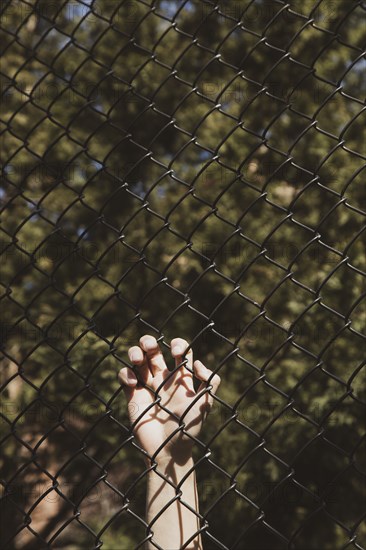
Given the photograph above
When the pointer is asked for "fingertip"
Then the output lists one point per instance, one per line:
(179, 346)
(136, 355)
(127, 377)
(131, 377)
(149, 343)
(132, 382)
(177, 351)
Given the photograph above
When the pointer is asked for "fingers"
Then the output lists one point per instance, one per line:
(136, 355)
(138, 359)
(127, 377)
(154, 355)
(206, 375)
(179, 351)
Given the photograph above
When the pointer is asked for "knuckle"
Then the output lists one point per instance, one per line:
(157, 362)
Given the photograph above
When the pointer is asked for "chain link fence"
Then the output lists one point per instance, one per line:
(194, 169)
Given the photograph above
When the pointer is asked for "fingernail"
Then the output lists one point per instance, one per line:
(149, 345)
(135, 356)
(177, 350)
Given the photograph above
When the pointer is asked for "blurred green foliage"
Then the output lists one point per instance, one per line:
(170, 171)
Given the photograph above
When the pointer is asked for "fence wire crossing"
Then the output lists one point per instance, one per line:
(194, 169)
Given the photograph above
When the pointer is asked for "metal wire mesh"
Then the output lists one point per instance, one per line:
(183, 168)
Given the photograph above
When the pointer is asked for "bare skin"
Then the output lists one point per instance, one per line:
(159, 433)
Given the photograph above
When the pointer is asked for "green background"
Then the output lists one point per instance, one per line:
(187, 169)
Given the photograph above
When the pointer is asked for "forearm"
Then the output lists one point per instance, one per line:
(177, 524)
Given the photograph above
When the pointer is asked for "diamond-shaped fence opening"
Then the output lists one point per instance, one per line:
(183, 169)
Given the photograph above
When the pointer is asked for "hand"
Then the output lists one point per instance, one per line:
(156, 426)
